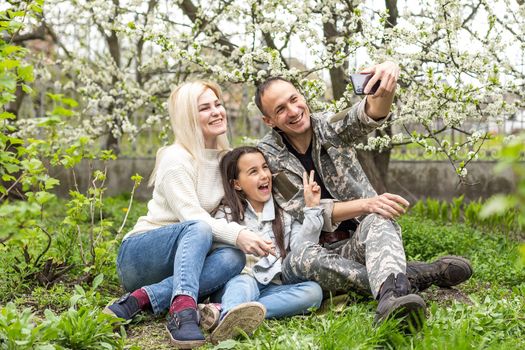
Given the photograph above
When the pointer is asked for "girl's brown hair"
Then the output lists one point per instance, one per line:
(236, 201)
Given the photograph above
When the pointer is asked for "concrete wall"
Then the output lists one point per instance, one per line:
(437, 179)
(411, 179)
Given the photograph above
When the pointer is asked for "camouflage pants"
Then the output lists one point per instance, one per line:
(361, 263)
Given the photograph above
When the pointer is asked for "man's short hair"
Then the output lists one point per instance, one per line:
(262, 87)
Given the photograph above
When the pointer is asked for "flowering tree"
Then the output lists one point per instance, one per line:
(457, 61)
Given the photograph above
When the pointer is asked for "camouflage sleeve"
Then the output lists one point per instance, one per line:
(288, 193)
(328, 208)
(309, 230)
(353, 123)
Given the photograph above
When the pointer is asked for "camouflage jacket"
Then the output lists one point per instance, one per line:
(337, 166)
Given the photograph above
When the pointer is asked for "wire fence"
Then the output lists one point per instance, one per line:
(490, 150)
(246, 125)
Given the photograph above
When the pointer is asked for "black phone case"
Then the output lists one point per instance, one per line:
(359, 82)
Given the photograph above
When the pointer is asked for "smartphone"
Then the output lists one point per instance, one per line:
(359, 81)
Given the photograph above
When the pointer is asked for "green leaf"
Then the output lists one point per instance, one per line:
(7, 177)
(108, 155)
(9, 49)
(50, 315)
(98, 280)
(8, 81)
(6, 96)
(522, 253)
(55, 97)
(227, 344)
(27, 89)
(43, 197)
(99, 175)
(74, 299)
(70, 102)
(51, 183)
(49, 121)
(137, 179)
(26, 73)
(35, 7)
(7, 115)
(11, 168)
(13, 14)
(61, 111)
(45, 347)
(8, 64)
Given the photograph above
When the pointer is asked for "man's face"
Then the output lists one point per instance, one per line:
(285, 108)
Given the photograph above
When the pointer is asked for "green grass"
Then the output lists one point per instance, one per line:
(487, 312)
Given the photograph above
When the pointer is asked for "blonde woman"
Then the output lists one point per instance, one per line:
(167, 261)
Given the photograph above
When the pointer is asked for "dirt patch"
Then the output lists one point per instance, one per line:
(446, 296)
(150, 333)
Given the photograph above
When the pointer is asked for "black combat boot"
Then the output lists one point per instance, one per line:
(447, 271)
(395, 300)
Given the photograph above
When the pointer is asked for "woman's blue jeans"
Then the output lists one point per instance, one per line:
(174, 260)
(280, 300)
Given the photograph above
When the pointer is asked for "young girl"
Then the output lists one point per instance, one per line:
(248, 201)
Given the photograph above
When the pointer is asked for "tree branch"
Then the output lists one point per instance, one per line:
(191, 11)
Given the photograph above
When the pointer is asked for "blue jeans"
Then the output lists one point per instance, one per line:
(173, 260)
(280, 300)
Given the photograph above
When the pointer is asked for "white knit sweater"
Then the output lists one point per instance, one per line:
(185, 190)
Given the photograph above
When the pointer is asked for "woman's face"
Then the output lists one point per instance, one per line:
(212, 117)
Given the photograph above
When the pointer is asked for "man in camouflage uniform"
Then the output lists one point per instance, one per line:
(361, 247)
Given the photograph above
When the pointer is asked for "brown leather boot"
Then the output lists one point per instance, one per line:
(395, 300)
(446, 271)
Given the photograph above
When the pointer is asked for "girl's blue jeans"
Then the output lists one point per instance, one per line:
(280, 300)
(176, 260)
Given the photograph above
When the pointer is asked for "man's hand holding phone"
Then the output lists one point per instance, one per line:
(386, 74)
(360, 82)
(380, 82)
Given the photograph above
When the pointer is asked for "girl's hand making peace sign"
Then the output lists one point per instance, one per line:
(312, 191)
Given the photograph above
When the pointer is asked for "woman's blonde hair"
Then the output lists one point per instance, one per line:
(184, 117)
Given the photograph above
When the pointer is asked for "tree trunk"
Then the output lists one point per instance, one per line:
(374, 164)
(391, 6)
(112, 143)
(14, 106)
(337, 74)
(382, 159)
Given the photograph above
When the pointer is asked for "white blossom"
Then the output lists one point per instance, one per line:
(453, 68)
